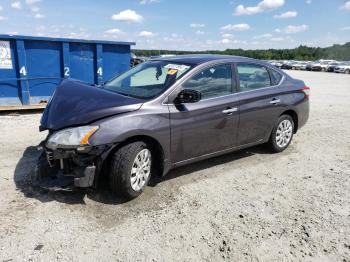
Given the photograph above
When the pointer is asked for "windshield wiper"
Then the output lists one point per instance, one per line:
(123, 94)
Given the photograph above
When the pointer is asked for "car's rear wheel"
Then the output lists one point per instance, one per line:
(130, 169)
(282, 134)
(347, 71)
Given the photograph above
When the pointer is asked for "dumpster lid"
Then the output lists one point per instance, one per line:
(54, 39)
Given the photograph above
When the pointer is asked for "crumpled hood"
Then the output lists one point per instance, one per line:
(76, 103)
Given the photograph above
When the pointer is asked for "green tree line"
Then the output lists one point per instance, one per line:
(337, 52)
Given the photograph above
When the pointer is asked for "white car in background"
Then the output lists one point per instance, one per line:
(344, 68)
(275, 63)
(320, 65)
(299, 65)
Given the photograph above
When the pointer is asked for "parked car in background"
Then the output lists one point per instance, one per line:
(135, 60)
(299, 65)
(165, 113)
(304, 65)
(343, 68)
(332, 66)
(321, 65)
(287, 65)
(275, 63)
(308, 66)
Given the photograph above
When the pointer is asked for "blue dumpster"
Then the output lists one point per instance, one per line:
(32, 67)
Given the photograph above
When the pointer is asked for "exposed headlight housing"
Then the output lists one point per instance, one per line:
(74, 136)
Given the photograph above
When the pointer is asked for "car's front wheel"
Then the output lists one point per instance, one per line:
(282, 134)
(130, 169)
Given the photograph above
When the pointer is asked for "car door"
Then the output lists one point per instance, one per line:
(260, 102)
(209, 125)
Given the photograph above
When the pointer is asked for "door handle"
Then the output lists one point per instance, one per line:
(230, 110)
(275, 101)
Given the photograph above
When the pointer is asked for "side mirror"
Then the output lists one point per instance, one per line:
(188, 96)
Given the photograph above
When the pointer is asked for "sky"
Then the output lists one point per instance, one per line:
(184, 24)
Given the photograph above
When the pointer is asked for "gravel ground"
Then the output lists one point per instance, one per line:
(247, 206)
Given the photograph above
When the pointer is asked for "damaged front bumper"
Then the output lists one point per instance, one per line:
(69, 168)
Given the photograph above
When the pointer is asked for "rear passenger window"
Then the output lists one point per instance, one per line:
(212, 82)
(275, 77)
(252, 77)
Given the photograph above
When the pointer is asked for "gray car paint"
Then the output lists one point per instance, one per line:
(191, 132)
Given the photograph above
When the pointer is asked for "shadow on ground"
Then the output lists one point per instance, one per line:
(25, 170)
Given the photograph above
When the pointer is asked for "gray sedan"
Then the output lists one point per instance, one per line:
(165, 113)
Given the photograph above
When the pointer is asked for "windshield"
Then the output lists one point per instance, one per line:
(147, 80)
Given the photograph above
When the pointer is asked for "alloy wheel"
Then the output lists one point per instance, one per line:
(284, 133)
(141, 169)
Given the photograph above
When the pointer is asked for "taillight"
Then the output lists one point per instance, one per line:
(306, 91)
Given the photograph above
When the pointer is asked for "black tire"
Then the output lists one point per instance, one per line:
(120, 170)
(273, 137)
(347, 71)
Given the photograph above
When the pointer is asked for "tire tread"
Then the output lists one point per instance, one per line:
(119, 169)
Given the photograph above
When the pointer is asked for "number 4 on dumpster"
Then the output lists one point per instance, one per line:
(23, 71)
(99, 71)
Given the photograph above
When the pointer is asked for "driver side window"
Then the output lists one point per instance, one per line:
(212, 82)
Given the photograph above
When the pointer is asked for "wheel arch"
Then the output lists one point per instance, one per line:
(294, 116)
(155, 147)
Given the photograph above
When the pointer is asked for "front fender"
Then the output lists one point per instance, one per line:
(144, 122)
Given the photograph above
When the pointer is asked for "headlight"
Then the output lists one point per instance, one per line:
(72, 136)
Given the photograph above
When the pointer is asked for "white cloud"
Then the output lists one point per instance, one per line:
(346, 6)
(193, 25)
(1, 8)
(34, 9)
(292, 29)
(173, 40)
(144, 2)
(267, 35)
(199, 32)
(277, 39)
(16, 5)
(2, 18)
(345, 28)
(227, 35)
(39, 16)
(262, 6)
(147, 34)
(128, 16)
(285, 15)
(31, 2)
(76, 35)
(308, 1)
(226, 41)
(114, 31)
(236, 27)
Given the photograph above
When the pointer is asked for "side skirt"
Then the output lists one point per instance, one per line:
(223, 152)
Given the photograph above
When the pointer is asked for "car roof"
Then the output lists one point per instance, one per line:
(203, 58)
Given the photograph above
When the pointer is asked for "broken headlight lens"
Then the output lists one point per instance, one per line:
(72, 136)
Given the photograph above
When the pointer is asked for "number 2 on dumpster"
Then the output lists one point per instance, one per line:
(66, 71)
